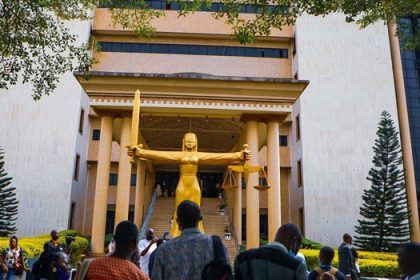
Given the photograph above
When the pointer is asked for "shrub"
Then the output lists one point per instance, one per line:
(309, 244)
(371, 263)
(34, 246)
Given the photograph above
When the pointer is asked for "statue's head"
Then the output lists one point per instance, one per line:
(189, 143)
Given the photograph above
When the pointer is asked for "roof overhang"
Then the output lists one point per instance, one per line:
(192, 85)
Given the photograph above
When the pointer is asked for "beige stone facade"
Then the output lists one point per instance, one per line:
(227, 100)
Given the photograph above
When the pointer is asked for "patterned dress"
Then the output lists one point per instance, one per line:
(183, 257)
(108, 268)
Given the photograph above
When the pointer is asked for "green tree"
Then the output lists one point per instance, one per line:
(385, 213)
(136, 14)
(35, 45)
(8, 202)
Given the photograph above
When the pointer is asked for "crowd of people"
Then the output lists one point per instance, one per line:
(194, 255)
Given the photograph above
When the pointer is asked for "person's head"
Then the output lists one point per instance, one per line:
(54, 234)
(347, 239)
(326, 255)
(63, 261)
(13, 242)
(167, 236)
(150, 234)
(327, 276)
(409, 258)
(289, 235)
(188, 214)
(125, 238)
(189, 143)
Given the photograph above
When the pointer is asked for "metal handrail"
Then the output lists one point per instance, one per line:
(232, 227)
(148, 216)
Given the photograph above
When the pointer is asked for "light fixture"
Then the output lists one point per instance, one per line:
(207, 118)
(179, 118)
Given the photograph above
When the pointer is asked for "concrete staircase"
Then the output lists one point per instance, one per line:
(213, 223)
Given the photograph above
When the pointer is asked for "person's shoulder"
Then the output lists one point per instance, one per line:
(144, 241)
(139, 275)
(313, 275)
(340, 275)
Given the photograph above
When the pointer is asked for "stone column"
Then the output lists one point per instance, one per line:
(237, 207)
(124, 174)
(252, 195)
(100, 203)
(410, 180)
(140, 193)
(273, 174)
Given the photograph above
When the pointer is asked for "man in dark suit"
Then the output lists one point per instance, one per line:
(346, 261)
(53, 245)
(276, 260)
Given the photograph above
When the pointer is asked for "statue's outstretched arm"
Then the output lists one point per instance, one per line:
(164, 156)
(222, 158)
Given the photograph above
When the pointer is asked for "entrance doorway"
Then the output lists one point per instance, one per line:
(208, 181)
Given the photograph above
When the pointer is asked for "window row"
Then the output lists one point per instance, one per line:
(113, 179)
(193, 49)
(214, 7)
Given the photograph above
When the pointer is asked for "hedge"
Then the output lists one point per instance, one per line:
(375, 264)
(32, 247)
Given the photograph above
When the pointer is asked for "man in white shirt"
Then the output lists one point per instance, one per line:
(146, 248)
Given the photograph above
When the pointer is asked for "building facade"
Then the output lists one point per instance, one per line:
(45, 147)
(306, 99)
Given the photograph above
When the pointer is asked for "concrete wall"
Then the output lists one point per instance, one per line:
(199, 23)
(39, 139)
(78, 191)
(296, 200)
(351, 83)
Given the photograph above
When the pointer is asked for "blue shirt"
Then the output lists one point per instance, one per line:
(183, 257)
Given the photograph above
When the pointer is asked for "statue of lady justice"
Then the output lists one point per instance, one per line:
(188, 160)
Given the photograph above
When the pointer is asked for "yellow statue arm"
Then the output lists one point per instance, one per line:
(165, 156)
(219, 158)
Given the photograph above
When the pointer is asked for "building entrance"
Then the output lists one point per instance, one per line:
(209, 182)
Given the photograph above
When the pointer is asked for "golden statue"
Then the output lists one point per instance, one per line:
(188, 160)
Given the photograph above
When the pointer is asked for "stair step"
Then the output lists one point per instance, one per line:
(214, 224)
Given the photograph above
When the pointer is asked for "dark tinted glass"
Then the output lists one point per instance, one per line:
(193, 49)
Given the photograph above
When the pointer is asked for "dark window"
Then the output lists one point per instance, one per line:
(113, 179)
(133, 180)
(81, 121)
(299, 173)
(72, 213)
(131, 216)
(263, 226)
(110, 220)
(161, 4)
(96, 134)
(283, 140)
(193, 49)
(76, 168)
(297, 128)
(302, 221)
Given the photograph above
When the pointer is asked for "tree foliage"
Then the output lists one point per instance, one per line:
(35, 45)
(8, 202)
(385, 215)
(137, 14)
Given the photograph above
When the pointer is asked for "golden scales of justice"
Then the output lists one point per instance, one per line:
(229, 181)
